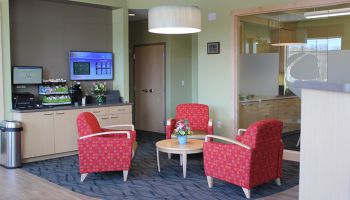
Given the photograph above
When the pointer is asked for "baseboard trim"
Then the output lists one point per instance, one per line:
(58, 155)
(291, 155)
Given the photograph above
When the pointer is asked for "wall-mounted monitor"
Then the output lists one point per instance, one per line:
(84, 65)
(25, 75)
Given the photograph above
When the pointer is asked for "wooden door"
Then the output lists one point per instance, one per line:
(149, 66)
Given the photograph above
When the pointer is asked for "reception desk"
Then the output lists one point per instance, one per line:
(325, 141)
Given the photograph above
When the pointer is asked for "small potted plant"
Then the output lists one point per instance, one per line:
(182, 130)
(99, 89)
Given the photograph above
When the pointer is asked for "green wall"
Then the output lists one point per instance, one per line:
(178, 63)
(214, 71)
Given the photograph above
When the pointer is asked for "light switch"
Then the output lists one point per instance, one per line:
(211, 16)
(183, 83)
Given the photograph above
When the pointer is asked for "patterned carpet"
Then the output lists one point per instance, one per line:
(144, 181)
(290, 140)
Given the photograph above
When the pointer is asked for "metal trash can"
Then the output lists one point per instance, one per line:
(10, 144)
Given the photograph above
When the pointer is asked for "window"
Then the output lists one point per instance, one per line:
(317, 47)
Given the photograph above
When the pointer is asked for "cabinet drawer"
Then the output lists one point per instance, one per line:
(98, 111)
(266, 107)
(122, 118)
(248, 107)
(103, 120)
(120, 109)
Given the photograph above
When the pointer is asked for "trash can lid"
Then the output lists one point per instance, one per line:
(9, 125)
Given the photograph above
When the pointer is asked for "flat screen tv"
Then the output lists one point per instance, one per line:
(25, 75)
(84, 65)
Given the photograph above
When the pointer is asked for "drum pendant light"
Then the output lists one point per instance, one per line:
(174, 20)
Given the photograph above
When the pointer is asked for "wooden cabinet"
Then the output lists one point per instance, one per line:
(65, 130)
(37, 138)
(53, 132)
(287, 110)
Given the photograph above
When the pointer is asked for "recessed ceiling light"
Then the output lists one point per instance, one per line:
(327, 13)
(131, 14)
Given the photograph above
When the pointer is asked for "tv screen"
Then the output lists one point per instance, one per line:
(22, 75)
(86, 65)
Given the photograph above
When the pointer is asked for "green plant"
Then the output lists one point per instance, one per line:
(98, 88)
(182, 128)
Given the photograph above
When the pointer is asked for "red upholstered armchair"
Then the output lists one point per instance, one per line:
(198, 118)
(252, 159)
(101, 149)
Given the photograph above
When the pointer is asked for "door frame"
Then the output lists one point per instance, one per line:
(133, 75)
(235, 45)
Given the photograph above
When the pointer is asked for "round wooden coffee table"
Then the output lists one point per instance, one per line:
(172, 146)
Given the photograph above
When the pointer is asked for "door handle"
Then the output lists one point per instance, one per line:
(144, 90)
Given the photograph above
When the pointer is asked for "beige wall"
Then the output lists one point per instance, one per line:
(43, 33)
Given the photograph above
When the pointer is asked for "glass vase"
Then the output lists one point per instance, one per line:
(100, 99)
(182, 139)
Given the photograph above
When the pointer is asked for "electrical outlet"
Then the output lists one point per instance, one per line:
(219, 124)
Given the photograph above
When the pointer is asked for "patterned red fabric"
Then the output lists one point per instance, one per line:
(197, 116)
(247, 168)
(102, 153)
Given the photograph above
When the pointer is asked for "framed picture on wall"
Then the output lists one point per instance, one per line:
(213, 47)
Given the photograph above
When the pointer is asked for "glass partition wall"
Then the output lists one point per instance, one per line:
(277, 49)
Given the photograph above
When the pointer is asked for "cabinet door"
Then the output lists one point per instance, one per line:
(38, 134)
(66, 132)
(248, 114)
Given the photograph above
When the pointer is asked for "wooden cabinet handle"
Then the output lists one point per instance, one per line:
(98, 111)
(121, 109)
(48, 113)
(59, 113)
(104, 117)
(114, 117)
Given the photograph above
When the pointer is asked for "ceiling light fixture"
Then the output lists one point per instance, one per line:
(131, 14)
(174, 19)
(327, 13)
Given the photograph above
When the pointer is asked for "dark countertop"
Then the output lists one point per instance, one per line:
(258, 99)
(70, 107)
(318, 85)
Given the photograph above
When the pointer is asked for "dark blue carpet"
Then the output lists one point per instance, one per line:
(290, 140)
(144, 181)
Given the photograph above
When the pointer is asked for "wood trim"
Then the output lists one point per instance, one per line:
(235, 48)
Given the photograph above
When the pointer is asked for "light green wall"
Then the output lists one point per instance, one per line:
(6, 56)
(214, 71)
(178, 62)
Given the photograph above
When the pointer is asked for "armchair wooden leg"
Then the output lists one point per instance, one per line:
(180, 159)
(83, 176)
(210, 181)
(246, 192)
(169, 156)
(125, 174)
(278, 181)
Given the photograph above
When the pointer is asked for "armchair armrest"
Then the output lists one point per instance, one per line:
(227, 140)
(120, 125)
(239, 132)
(106, 133)
(210, 126)
(170, 125)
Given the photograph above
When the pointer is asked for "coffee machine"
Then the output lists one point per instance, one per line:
(75, 93)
